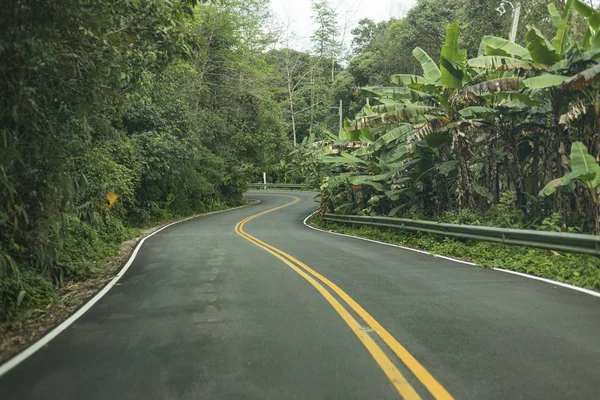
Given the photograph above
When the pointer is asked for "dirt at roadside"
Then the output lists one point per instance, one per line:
(17, 335)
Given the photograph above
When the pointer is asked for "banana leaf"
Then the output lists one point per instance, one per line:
(469, 112)
(404, 114)
(391, 136)
(431, 72)
(539, 48)
(544, 81)
(588, 77)
(584, 169)
(407, 80)
(592, 15)
(494, 86)
(396, 93)
(563, 28)
(452, 59)
(502, 63)
(507, 46)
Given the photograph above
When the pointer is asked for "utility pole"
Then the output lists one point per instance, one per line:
(516, 12)
(515, 23)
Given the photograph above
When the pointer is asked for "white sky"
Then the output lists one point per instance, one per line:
(298, 15)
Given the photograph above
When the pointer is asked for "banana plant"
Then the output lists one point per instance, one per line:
(476, 127)
(584, 171)
(440, 106)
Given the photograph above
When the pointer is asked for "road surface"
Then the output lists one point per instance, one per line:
(252, 304)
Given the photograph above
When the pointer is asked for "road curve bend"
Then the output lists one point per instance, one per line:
(252, 304)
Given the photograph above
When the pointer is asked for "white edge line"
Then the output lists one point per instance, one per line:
(565, 285)
(455, 260)
(44, 340)
(521, 274)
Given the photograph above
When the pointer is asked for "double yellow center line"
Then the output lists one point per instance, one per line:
(317, 280)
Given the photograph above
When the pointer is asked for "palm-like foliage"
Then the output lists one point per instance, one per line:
(467, 130)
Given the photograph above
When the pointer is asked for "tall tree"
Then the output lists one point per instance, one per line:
(324, 40)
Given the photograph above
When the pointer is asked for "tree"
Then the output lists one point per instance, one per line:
(123, 114)
(324, 40)
(364, 34)
(488, 129)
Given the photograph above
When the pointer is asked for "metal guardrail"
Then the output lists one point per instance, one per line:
(278, 185)
(569, 242)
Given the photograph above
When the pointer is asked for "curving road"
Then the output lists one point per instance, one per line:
(251, 304)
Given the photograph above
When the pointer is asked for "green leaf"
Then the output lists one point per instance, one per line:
(431, 72)
(452, 59)
(395, 93)
(367, 180)
(555, 15)
(539, 48)
(482, 51)
(397, 114)
(551, 187)
(587, 38)
(450, 50)
(469, 112)
(344, 158)
(447, 167)
(21, 297)
(584, 169)
(451, 76)
(395, 210)
(592, 15)
(563, 28)
(507, 46)
(407, 80)
(391, 136)
(584, 166)
(365, 135)
(436, 139)
(501, 63)
(544, 81)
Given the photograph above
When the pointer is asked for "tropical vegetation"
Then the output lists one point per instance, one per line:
(516, 125)
(117, 115)
(120, 115)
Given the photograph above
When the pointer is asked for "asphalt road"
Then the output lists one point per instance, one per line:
(270, 309)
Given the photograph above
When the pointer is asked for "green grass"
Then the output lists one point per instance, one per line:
(576, 269)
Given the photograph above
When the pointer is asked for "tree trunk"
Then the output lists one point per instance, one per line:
(561, 158)
(332, 70)
(535, 174)
(312, 102)
(293, 120)
(291, 98)
(464, 193)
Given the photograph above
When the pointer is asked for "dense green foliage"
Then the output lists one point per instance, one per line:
(115, 115)
(465, 125)
(120, 114)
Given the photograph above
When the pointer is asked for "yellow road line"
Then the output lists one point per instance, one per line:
(432, 385)
(388, 367)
